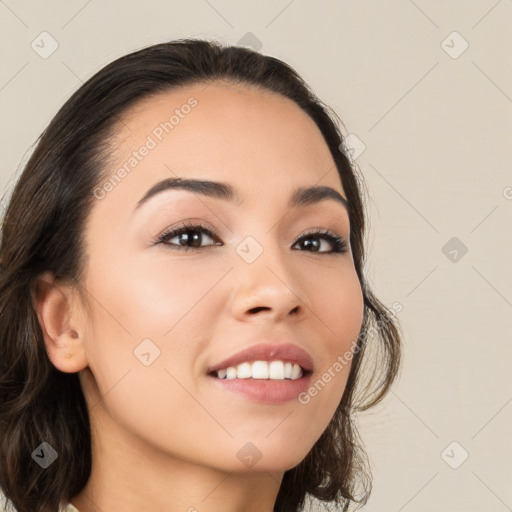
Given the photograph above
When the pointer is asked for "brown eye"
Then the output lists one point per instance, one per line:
(188, 237)
(312, 242)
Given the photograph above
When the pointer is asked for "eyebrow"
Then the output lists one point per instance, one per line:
(302, 196)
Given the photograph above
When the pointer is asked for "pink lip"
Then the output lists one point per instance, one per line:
(266, 391)
(265, 352)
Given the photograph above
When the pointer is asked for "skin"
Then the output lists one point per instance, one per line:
(164, 437)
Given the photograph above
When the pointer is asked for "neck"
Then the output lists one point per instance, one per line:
(130, 476)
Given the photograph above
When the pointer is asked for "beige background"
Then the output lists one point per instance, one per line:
(436, 123)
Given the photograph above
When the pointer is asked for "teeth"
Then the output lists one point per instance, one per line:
(243, 371)
(296, 371)
(259, 370)
(274, 370)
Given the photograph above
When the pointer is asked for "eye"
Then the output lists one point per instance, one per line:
(340, 245)
(189, 237)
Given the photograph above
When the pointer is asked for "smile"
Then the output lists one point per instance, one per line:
(273, 370)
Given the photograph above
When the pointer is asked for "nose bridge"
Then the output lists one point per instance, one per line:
(263, 276)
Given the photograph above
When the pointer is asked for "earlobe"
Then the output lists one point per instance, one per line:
(53, 303)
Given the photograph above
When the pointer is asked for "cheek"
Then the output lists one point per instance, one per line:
(340, 309)
(339, 306)
(141, 351)
(160, 295)
(150, 313)
(150, 298)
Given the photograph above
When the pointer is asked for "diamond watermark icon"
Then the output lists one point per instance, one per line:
(251, 41)
(44, 45)
(249, 455)
(454, 45)
(352, 147)
(146, 352)
(44, 455)
(454, 249)
(454, 455)
(249, 249)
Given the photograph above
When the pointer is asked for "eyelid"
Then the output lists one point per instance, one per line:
(191, 224)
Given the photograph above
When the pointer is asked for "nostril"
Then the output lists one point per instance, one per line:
(257, 309)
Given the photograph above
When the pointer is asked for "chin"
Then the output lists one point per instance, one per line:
(268, 457)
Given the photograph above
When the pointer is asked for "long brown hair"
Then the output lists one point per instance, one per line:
(43, 230)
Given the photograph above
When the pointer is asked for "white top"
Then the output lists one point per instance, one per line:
(6, 506)
(69, 508)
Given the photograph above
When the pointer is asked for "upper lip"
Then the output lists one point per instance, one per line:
(268, 352)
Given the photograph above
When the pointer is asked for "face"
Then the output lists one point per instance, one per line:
(168, 306)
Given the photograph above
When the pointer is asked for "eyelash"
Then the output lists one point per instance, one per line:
(339, 244)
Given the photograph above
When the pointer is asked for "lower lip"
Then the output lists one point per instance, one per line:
(266, 391)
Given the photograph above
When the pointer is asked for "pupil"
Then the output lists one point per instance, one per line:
(312, 243)
(195, 239)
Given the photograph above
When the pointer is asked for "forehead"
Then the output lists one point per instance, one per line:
(253, 138)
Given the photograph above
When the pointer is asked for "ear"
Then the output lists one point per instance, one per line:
(61, 323)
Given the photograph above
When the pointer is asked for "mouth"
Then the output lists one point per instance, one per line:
(261, 370)
(267, 373)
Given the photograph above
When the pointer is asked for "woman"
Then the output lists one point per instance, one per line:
(183, 307)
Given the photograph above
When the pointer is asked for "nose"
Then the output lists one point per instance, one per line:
(267, 287)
